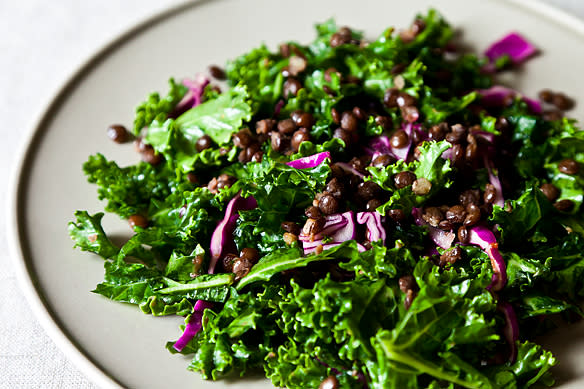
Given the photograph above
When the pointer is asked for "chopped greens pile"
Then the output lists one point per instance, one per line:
(352, 213)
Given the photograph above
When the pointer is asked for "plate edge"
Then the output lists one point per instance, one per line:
(14, 231)
(14, 234)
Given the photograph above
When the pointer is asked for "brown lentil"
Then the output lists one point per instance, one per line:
(457, 153)
(410, 113)
(490, 194)
(421, 186)
(264, 126)
(471, 152)
(291, 227)
(250, 254)
(228, 261)
(562, 102)
(312, 212)
(313, 226)
(383, 121)
(462, 234)
(118, 133)
(404, 179)
(359, 113)
(451, 256)
(368, 190)
(569, 166)
(390, 97)
(410, 296)
(328, 204)
(397, 215)
(399, 139)
(433, 216)
(564, 205)
(336, 116)
(343, 135)
(197, 264)
(373, 204)
(303, 119)
(203, 143)
(277, 141)
(407, 283)
(446, 225)
(382, 160)
(438, 132)
(151, 156)
(217, 73)
(349, 122)
(550, 191)
(473, 215)
(335, 187)
(286, 126)
(546, 95)
(337, 39)
(241, 268)
(302, 135)
(469, 196)
(137, 220)
(291, 87)
(405, 100)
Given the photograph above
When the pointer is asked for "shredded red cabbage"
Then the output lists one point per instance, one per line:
(194, 95)
(346, 232)
(484, 238)
(511, 330)
(375, 230)
(194, 325)
(222, 238)
(494, 180)
(332, 224)
(514, 45)
(310, 161)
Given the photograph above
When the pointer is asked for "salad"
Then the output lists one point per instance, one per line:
(352, 213)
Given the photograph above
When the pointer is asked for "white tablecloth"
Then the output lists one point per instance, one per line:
(41, 43)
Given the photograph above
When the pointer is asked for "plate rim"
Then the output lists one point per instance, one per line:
(18, 251)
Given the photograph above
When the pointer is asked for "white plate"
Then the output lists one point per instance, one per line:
(114, 344)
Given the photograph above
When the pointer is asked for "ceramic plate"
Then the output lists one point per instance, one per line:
(115, 344)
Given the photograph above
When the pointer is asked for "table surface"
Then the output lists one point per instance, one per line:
(42, 44)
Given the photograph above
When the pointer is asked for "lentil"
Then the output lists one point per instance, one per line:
(421, 186)
(217, 73)
(203, 143)
(569, 166)
(118, 133)
(550, 191)
(137, 220)
(349, 121)
(399, 139)
(564, 205)
(404, 179)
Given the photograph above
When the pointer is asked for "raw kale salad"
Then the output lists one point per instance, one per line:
(352, 213)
